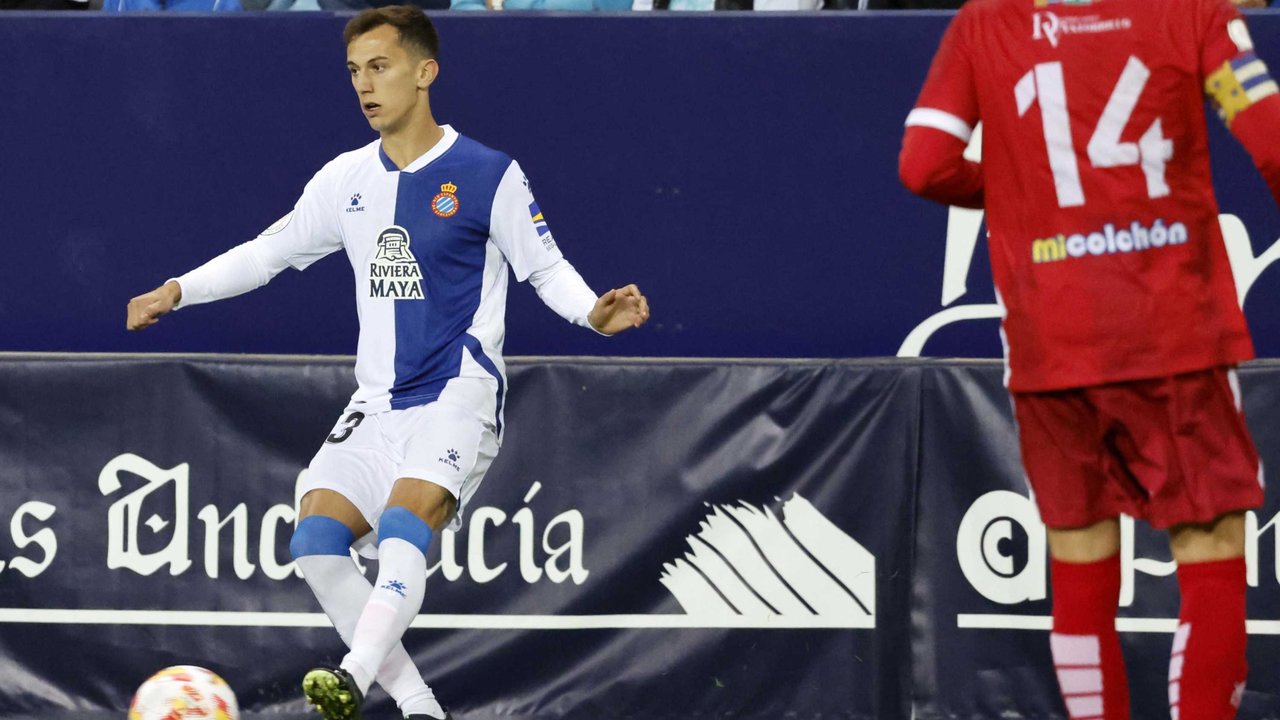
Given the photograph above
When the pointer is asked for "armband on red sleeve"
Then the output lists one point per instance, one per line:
(932, 165)
(1248, 101)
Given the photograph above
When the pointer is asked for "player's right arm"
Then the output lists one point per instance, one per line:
(932, 162)
(1241, 89)
(297, 240)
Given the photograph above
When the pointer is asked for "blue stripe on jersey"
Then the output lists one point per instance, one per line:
(1242, 59)
(450, 248)
(477, 354)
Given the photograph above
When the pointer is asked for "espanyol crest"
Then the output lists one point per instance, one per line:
(446, 203)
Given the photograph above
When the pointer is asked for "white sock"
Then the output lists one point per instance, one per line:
(343, 592)
(423, 702)
(394, 601)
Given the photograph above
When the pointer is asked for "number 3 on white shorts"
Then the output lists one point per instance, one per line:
(1152, 151)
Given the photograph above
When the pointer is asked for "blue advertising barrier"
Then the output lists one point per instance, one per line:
(674, 539)
(742, 169)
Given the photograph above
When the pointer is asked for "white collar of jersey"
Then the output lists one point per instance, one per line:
(426, 158)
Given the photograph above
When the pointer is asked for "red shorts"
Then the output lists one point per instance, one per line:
(1168, 450)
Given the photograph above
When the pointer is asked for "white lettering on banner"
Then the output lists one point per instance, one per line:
(481, 572)
(124, 516)
(572, 547)
(125, 525)
(530, 570)
(1253, 540)
(1002, 551)
(271, 520)
(562, 541)
(239, 519)
(44, 538)
(479, 523)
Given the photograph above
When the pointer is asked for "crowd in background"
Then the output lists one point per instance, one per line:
(119, 6)
(563, 5)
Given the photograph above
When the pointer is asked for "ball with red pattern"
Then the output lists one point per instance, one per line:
(184, 692)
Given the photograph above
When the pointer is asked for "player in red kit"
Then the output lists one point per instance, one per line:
(1121, 318)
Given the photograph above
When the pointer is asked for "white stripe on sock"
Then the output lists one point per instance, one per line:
(1080, 681)
(1075, 650)
(1180, 638)
(1084, 706)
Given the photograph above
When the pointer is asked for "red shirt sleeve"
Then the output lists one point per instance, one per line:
(932, 162)
(1241, 88)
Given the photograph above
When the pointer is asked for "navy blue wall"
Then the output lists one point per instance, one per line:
(741, 169)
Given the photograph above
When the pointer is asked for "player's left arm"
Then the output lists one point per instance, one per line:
(1240, 87)
(520, 231)
(938, 129)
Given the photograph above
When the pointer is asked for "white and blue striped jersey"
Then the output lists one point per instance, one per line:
(430, 246)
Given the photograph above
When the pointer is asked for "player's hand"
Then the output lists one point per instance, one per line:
(145, 310)
(1250, 3)
(618, 310)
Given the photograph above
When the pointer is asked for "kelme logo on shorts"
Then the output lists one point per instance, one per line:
(1108, 241)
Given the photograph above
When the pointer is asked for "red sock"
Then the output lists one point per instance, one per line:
(1207, 670)
(1086, 648)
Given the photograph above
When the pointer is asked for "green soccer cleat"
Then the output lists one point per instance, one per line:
(333, 692)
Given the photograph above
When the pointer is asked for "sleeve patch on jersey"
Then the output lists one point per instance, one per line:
(1239, 83)
(279, 225)
(539, 222)
(540, 226)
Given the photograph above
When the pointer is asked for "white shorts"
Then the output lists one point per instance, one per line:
(444, 444)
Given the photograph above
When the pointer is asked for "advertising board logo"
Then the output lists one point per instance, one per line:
(745, 562)
(1002, 550)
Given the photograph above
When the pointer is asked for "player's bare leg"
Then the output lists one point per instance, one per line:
(415, 510)
(322, 551)
(1086, 593)
(1207, 669)
(1086, 544)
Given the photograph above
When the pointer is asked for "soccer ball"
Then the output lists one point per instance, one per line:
(182, 692)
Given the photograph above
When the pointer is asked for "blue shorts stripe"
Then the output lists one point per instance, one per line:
(477, 354)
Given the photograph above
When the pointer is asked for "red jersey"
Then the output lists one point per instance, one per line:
(1103, 226)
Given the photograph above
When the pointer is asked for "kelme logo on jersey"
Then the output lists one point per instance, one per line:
(446, 203)
(1049, 26)
(394, 272)
(1109, 241)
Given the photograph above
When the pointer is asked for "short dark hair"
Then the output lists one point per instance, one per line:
(416, 30)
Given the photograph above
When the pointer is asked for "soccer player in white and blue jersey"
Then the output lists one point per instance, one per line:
(430, 221)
